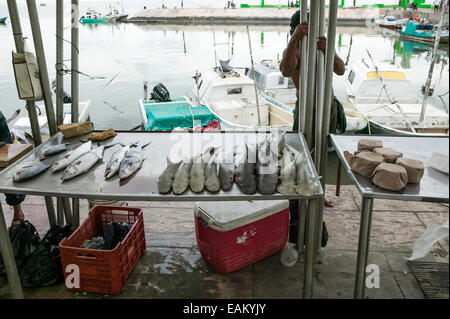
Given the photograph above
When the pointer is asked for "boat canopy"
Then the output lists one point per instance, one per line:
(268, 76)
(170, 115)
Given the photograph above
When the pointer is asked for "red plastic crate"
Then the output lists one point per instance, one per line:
(104, 271)
(228, 251)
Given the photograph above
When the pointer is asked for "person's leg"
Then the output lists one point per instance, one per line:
(332, 130)
(15, 201)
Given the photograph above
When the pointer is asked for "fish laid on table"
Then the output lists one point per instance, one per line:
(84, 163)
(277, 142)
(226, 170)
(181, 179)
(267, 169)
(166, 178)
(132, 161)
(113, 165)
(53, 150)
(288, 173)
(212, 181)
(246, 170)
(305, 184)
(27, 170)
(197, 173)
(71, 156)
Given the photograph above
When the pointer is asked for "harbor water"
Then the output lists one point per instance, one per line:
(116, 58)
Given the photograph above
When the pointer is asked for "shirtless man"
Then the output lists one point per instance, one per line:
(290, 67)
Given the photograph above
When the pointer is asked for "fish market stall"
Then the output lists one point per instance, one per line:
(146, 157)
(424, 179)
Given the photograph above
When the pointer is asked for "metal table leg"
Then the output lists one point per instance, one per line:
(8, 259)
(301, 226)
(76, 212)
(339, 177)
(67, 211)
(50, 211)
(310, 249)
(363, 246)
(59, 211)
(319, 224)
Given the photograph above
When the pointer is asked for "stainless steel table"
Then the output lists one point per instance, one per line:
(432, 188)
(143, 186)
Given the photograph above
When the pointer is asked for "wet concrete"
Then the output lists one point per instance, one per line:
(172, 266)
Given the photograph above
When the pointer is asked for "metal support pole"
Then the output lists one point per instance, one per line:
(363, 247)
(433, 61)
(312, 48)
(74, 68)
(75, 212)
(18, 40)
(59, 62)
(302, 226)
(67, 211)
(50, 211)
(310, 250)
(329, 71)
(42, 64)
(303, 45)
(8, 258)
(59, 212)
(254, 82)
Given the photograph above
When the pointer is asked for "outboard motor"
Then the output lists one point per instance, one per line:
(160, 93)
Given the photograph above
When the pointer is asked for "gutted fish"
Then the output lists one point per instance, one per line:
(84, 163)
(277, 142)
(197, 174)
(181, 179)
(71, 156)
(27, 170)
(305, 183)
(212, 181)
(113, 165)
(246, 170)
(267, 169)
(288, 173)
(132, 161)
(166, 178)
(226, 170)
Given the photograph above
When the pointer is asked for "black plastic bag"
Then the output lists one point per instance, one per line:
(44, 267)
(24, 241)
(115, 233)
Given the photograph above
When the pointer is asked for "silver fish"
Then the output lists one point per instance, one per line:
(84, 163)
(226, 170)
(27, 170)
(246, 171)
(267, 169)
(197, 175)
(166, 178)
(212, 181)
(53, 150)
(181, 179)
(71, 156)
(113, 165)
(132, 162)
(287, 173)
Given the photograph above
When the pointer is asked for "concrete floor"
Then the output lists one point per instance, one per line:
(173, 268)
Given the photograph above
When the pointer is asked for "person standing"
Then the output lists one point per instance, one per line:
(436, 5)
(12, 200)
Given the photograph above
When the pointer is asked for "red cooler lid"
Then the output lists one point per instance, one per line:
(224, 216)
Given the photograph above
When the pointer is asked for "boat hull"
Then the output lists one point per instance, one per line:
(3, 20)
(93, 21)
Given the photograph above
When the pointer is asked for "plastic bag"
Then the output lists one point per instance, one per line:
(24, 241)
(44, 268)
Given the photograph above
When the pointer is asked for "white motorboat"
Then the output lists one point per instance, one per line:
(389, 102)
(281, 91)
(230, 95)
(22, 129)
(390, 22)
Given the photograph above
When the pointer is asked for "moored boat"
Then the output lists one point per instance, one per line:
(390, 22)
(92, 17)
(3, 20)
(414, 31)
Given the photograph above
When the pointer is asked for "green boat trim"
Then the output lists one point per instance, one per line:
(91, 20)
(3, 20)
